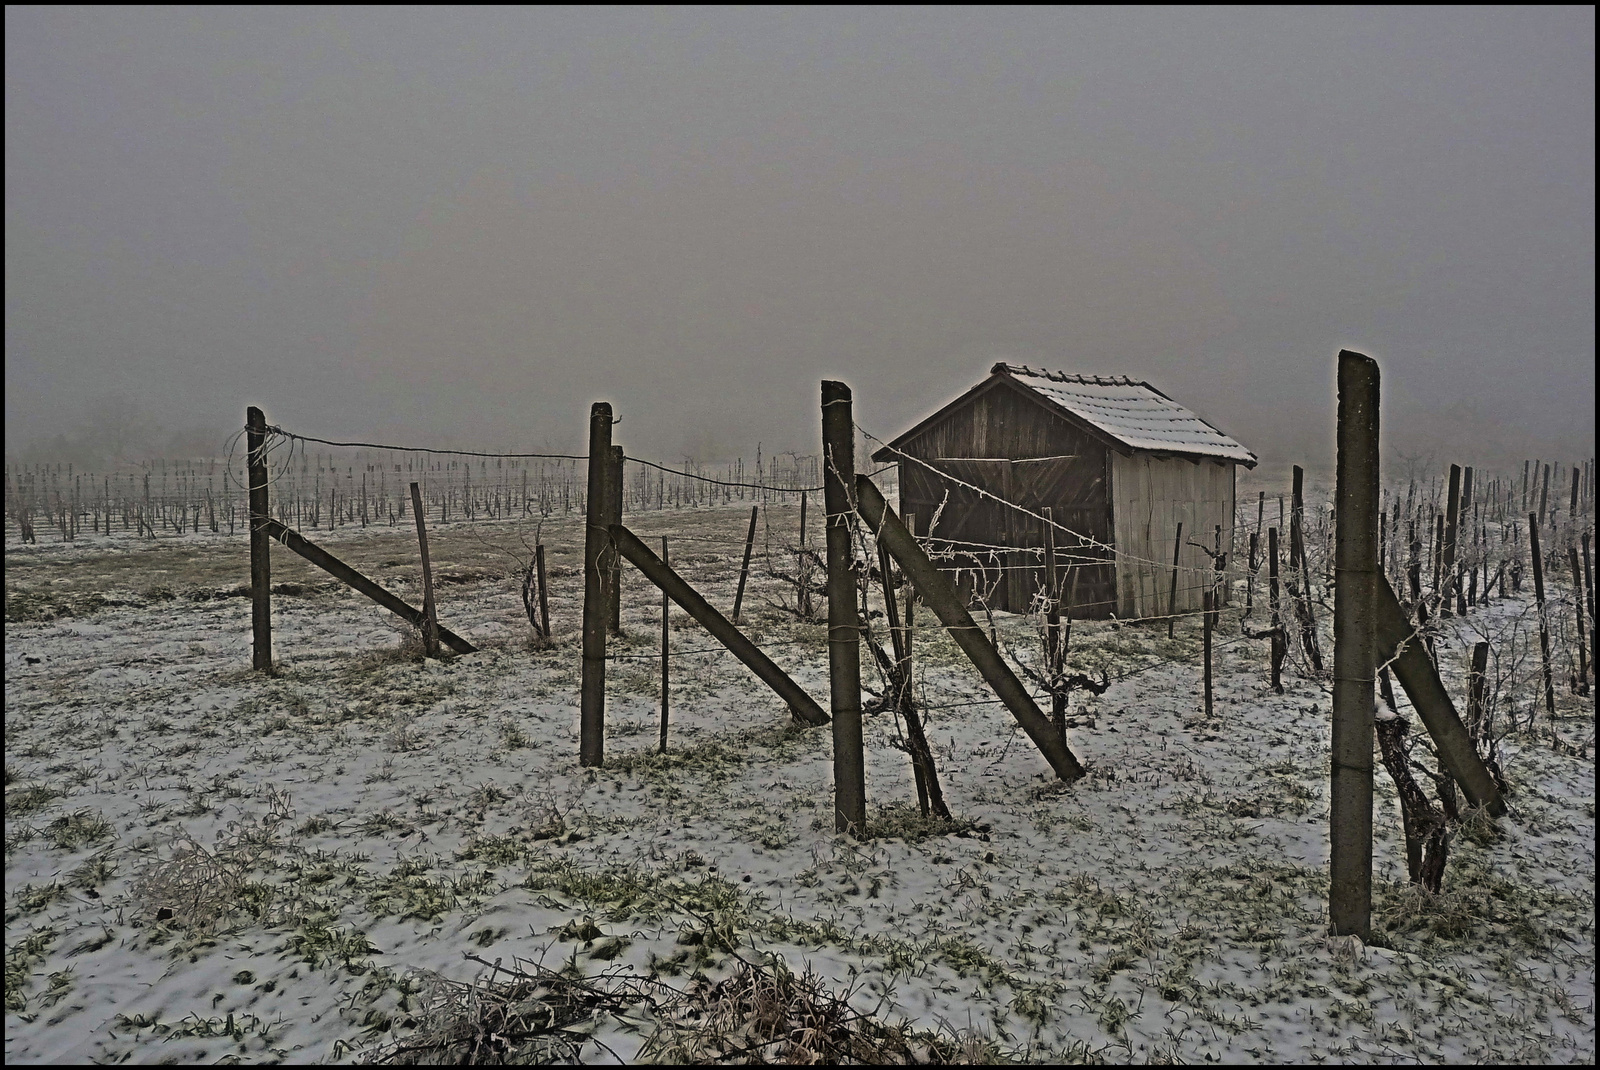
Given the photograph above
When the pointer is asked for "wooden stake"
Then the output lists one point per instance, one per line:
(1477, 684)
(1250, 580)
(744, 569)
(430, 616)
(1588, 590)
(1219, 587)
(1052, 626)
(1280, 638)
(544, 588)
(1172, 591)
(1544, 625)
(596, 573)
(1205, 632)
(260, 541)
(614, 516)
(1301, 574)
(844, 623)
(1452, 526)
(666, 643)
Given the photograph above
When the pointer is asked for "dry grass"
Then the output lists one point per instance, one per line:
(529, 1014)
(193, 888)
(524, 1015)
(768, 1014)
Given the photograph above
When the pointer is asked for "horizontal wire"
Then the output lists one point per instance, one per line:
(422, 449)
(544, 456)
(724, 482)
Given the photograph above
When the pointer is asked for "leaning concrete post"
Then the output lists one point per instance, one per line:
(596, 545)
(1404, 648)
(1354, 635)
(844, 624)
(951, 609)
(260, 542)
(804, 708)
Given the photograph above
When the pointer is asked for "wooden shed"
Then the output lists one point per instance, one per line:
(1115, 461)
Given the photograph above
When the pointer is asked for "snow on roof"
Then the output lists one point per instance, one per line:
(1134, 413)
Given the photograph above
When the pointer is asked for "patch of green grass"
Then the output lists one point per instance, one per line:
(32, 898)
(1480, 828)
(713, 759)
(58, 988)
(93, 872)
(411, 895)
(645, 895)
(495, 850)
(1274, 796)
(1477, 903)
(512, 736)
(19, 835)
(318, 945)
(74, 830)
(906, 821)
(21, 956)
(29, 800)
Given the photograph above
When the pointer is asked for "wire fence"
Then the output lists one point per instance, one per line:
(324, 484)
(321, 484)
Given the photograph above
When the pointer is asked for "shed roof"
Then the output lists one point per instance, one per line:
(1130, 412)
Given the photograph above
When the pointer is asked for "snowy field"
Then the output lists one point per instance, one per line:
(205, 864)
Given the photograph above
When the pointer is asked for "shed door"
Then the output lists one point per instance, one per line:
(1073, 489)
(979, 538)
(967, 530)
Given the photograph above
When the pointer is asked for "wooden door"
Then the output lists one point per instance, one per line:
(1073, 489)
(963, 527)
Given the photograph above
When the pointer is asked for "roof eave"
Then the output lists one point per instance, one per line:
(1002, 373)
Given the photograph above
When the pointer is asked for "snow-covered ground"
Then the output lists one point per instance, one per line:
(206, 863)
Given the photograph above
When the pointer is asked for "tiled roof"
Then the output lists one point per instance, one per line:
(1134, 413)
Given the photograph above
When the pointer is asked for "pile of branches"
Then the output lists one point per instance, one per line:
(529, 1014)
(523, 1015)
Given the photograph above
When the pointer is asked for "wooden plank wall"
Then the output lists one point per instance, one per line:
(1149, 496)
(996, 426)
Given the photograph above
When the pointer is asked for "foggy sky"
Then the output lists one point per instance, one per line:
(461, 227)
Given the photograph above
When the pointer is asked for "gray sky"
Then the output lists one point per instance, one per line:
(461, 227)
